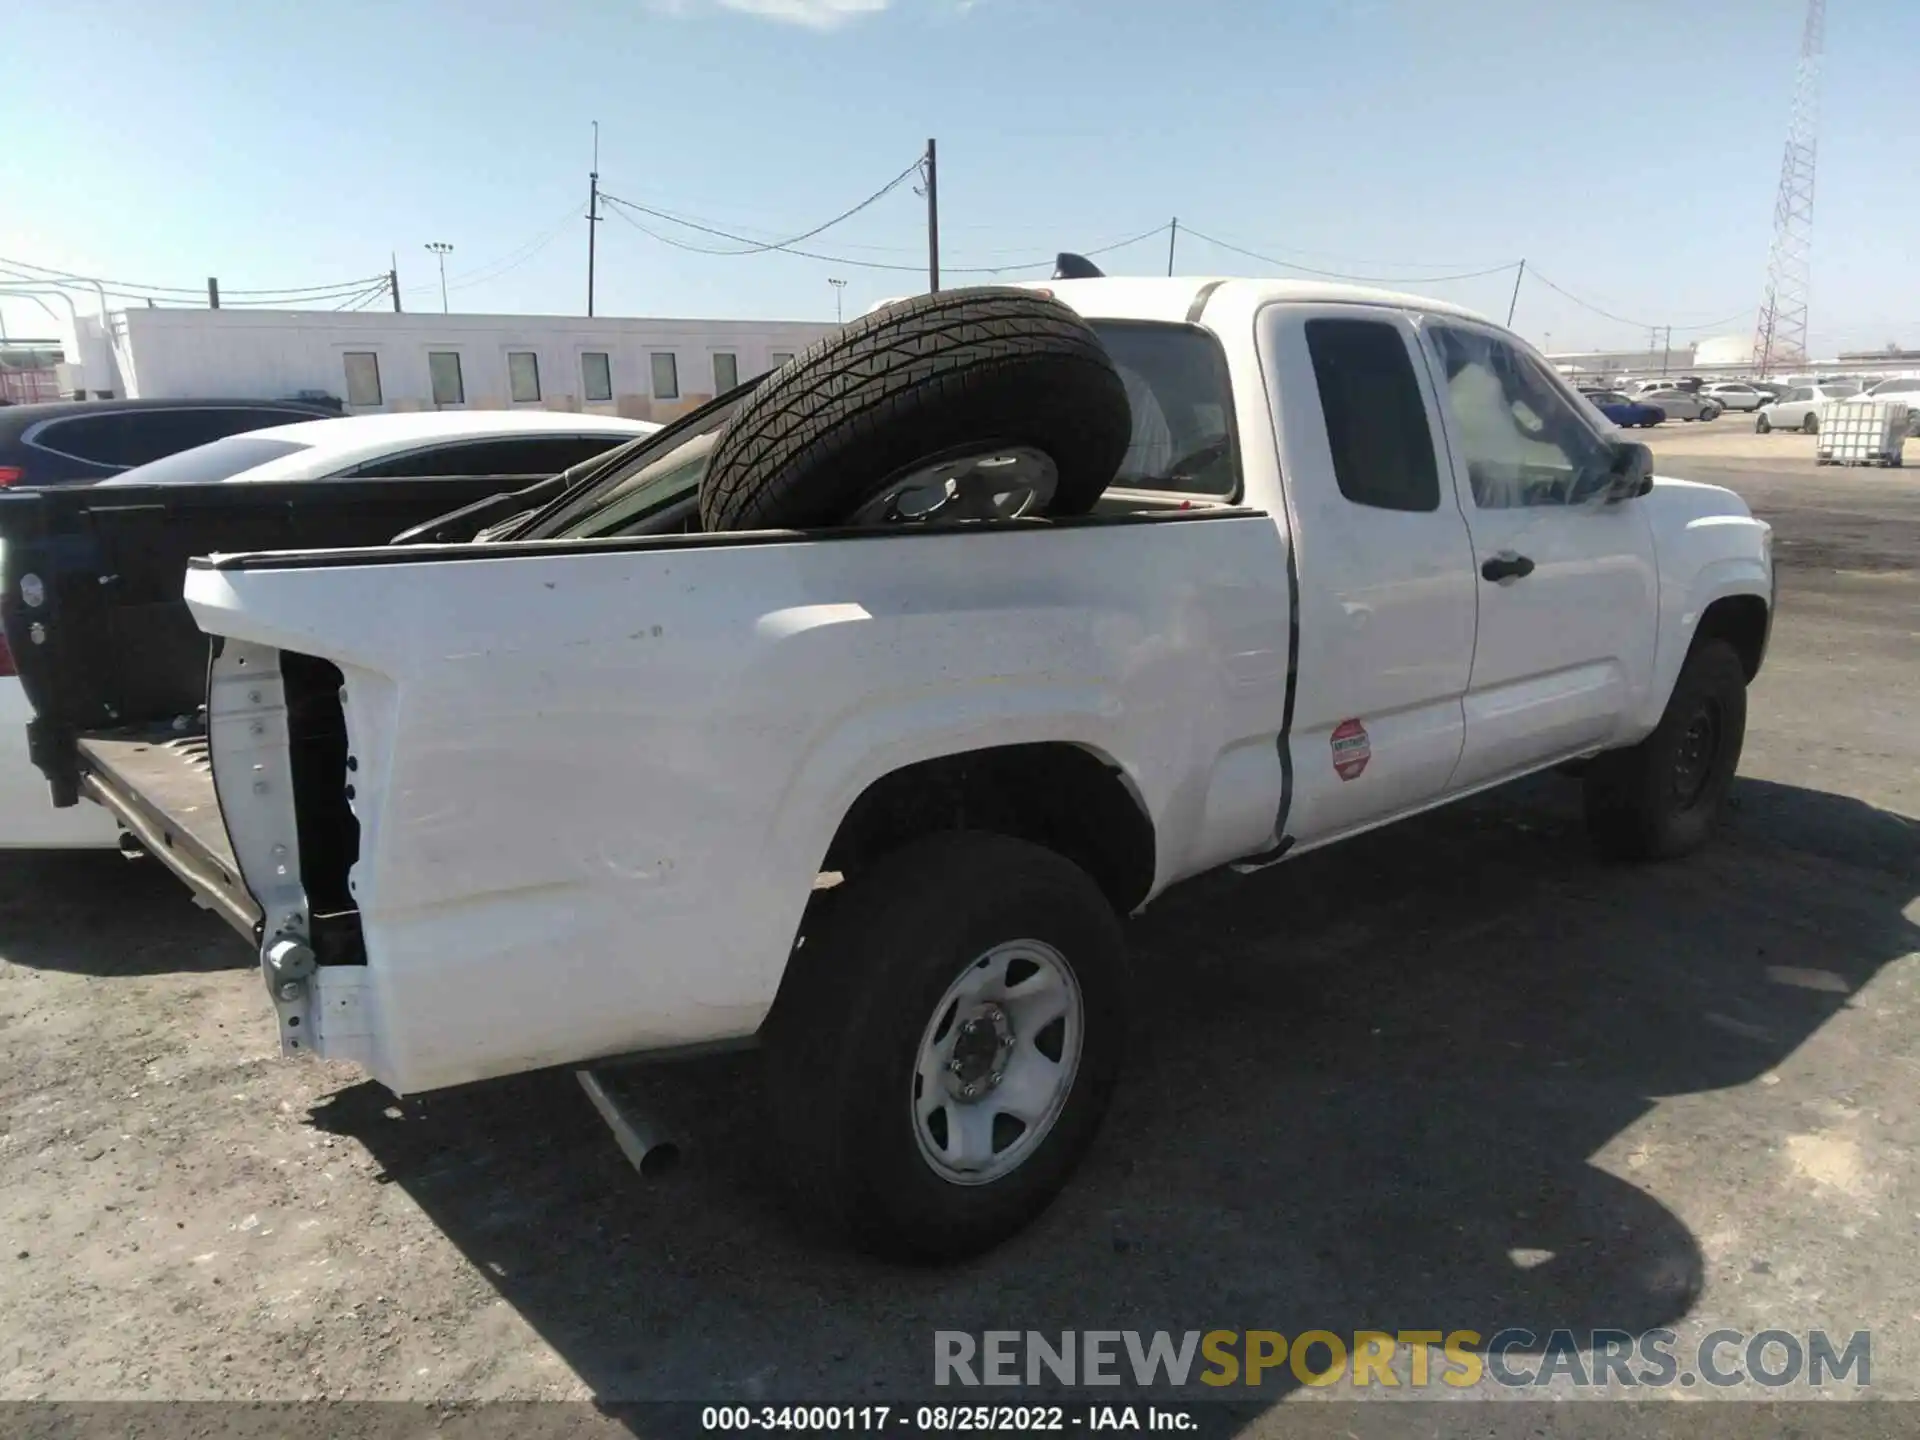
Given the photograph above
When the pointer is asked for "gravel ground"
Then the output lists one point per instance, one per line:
(1457, 1074)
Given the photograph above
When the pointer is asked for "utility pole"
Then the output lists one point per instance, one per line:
(839, 286)
(593, 213)
(1518, 275)
(213, 292)
(393, 280)
(441, 250)
(933, 219)
(1173, 235)
(1666, 349)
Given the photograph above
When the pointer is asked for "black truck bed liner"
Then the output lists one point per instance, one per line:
(160, 786)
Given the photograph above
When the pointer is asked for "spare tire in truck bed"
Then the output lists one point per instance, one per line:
(966, 404)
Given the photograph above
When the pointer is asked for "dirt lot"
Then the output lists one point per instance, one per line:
(1458, 1074)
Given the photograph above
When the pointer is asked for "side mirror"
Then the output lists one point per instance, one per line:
(1631, 473)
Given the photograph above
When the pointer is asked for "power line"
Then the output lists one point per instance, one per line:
(756, 247)
(365, 297)
(1041, 262)
(1623, 320)
(136, 290)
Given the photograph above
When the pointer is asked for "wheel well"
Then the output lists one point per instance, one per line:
(1741, 621)
(1057, 795)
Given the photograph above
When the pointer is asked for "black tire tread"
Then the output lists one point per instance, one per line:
(1627, 814)
(885, 372)
(819, 1043)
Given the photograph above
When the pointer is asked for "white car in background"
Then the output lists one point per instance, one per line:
(1681, 404)
(511, 444)
(1800, 408)
(365, 447)
(1905, 388)
(1738, 395)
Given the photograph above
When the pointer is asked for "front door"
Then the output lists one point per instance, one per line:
(1567, 585)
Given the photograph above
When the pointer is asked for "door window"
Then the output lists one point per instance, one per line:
(1376, 421)
(1523, 442)
(136, 437)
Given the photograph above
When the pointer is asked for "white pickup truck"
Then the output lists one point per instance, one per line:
(599, 778)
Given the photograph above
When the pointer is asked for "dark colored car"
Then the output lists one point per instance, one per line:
(1624, 412)
(68, 441)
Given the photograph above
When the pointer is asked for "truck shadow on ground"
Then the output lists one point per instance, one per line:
(1367, 1090)
(94, 912)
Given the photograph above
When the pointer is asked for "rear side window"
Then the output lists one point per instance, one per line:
(137, 437)
(507, 455)
(1377, 429)
(221, 460)
(1177, 388)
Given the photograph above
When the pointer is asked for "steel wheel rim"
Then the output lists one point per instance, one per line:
(1011, 1026)
(1001, 483)
(1694, 759)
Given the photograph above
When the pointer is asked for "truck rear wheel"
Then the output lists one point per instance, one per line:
(967, 404)
(941, 1055)
(1663, 797)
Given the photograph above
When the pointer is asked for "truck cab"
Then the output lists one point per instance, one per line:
(582, 776)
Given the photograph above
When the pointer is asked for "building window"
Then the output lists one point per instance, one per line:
(363, 377)
(778, 358)
(666, 377)
(443, 368)
(726, 372)
(523, 376)
(596, 375)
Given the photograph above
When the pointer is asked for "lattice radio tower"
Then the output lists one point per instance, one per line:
(1782, 328)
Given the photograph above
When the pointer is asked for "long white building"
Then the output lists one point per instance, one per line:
(646, 369)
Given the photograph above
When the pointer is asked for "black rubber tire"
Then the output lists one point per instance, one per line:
(1761, 425)
(927, 378)
(1811, 424)
(843, 1039)
(1631, 809)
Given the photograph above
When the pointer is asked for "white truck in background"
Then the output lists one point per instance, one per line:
(591, 776)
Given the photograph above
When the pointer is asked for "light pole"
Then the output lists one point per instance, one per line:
(839, 286)
(441, 249)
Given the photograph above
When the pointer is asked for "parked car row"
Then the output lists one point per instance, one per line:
(1649, 407)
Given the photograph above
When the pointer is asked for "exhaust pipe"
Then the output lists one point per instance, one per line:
(641, 1137)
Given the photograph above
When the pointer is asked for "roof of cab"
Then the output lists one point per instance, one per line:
(1172, 298)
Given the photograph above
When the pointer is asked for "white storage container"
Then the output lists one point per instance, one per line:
(1861, 432)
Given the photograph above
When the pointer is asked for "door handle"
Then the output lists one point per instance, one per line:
(1506, 566)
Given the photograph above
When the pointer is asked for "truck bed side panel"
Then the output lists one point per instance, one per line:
(594, 787)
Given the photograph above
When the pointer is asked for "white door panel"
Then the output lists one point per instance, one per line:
(1386, 586)
(1564, 651)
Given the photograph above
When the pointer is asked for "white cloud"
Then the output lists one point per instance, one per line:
(813, 14)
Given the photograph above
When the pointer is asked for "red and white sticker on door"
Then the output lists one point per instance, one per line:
(1351, 749)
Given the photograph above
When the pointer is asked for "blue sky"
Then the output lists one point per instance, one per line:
(1629, 150)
